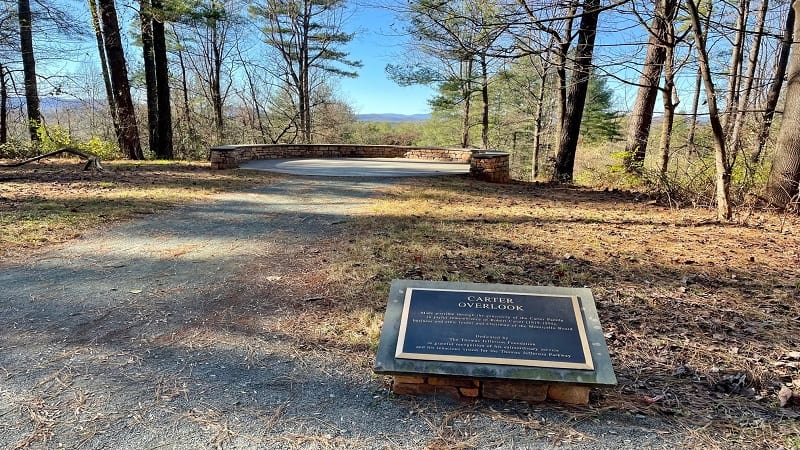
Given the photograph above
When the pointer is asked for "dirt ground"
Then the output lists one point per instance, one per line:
(248, 319)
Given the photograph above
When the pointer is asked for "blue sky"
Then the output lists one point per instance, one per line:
(376, 44)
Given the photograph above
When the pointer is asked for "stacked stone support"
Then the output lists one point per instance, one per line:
(459, 387)
(490, 166)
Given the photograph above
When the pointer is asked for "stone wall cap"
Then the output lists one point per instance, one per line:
(489, 154)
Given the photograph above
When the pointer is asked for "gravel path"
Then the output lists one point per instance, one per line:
(133, 338)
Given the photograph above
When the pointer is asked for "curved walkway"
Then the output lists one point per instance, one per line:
(359, 167)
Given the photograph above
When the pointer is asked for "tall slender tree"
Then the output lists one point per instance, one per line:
(29, 69)
(641, 117)
(118, 71)
(101, 50)
(3, 106)
(576, 96)
(151, 87)
(723, 168)
(164, 127)
(775, 86)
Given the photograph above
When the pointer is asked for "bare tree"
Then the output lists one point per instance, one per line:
(641, 117)
(723, 169)
(776, 85)
(29, 68)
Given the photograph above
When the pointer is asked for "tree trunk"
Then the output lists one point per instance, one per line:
(698, 83)
(720, 158)
(749, 78)
(485, 99)
(670, 97)
(466, 93)
(3, 106)
(29, 69)
(104, 65)
(562, 49)
(216, 83)
(784, 176)
(642, 115)
(305, 87)
(576, 98)
(537, 124)
(775, 87)
(164, 130)
(146, 21)
(187, 113)
(735, 76)
(129, 141)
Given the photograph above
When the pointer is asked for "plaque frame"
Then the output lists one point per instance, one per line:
(576, 309)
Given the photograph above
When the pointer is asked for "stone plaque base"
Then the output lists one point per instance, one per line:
(467, 388)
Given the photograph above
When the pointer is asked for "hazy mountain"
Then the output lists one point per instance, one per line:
(392, 118)
(51, 103)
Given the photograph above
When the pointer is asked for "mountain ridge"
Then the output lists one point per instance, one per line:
(392, 117)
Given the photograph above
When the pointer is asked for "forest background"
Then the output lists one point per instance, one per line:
(691, 99)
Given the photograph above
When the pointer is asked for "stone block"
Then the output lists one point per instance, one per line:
(424, 389)
(515, 390)
(452, 381)
(409, 379)
(469, 391)
(569, 393)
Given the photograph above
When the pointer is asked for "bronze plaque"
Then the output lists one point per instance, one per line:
(522, 329)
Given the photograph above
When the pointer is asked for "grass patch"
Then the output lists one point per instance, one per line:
(55, 201)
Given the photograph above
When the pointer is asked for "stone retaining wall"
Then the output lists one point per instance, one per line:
(457, 387)
(229, 156)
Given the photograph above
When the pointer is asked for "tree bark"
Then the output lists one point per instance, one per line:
(118, 71)
(537, 123)
(466, 92)
(3, 106)
(187, 113)
(735, 76)
(576, 97)
(29, 69)
(775, 87)
(215, 82)
(723, 171)
(782, 184)
(485, 100)
(698, 84)
(101, 50)
(561, 51)
(671, 100)
(642, 115)
(165, 149)
(749, 78)
(151, 89)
